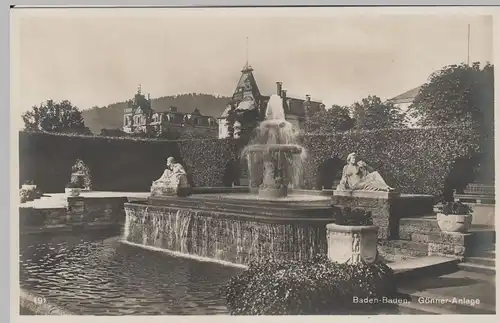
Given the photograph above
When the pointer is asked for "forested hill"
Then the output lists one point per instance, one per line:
(111, 117)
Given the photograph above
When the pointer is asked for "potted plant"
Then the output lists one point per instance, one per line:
(454, 217)
(73, 189)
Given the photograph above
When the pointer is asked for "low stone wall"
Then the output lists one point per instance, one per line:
(386, 208)
(80, 211)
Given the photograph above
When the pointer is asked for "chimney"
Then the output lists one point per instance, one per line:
(308, 98)
(149, 97)
(283, 94)
(283, 101)
(279, 86)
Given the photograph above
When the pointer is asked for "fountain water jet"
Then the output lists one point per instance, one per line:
(274, 154)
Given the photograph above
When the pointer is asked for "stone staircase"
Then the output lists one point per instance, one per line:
(419, 237)
(481, 261)
(463, 285)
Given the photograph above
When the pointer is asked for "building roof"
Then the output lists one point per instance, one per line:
(247, 86)
(406, 97)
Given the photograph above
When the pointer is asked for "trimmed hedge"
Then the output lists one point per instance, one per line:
(117, 164)
(413, 160)
(318, 286)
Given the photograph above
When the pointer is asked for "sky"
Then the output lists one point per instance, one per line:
(100, 56)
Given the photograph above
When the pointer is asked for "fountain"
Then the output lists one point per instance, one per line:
(235, 226)
(275, 148)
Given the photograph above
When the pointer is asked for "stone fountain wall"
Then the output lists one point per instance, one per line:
(224, 236)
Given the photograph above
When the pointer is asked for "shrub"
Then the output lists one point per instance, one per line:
(348, 216)
(455, 208)
(316, 286)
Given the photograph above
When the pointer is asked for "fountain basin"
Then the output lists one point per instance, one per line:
(229, 229)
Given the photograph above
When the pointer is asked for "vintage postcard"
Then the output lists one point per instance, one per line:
(253, 161)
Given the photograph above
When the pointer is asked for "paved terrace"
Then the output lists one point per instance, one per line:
(59, 200)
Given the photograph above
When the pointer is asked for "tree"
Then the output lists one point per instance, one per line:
(61, 117)
(372, 113)
(328, 121)
(247, 119)
(456, 94)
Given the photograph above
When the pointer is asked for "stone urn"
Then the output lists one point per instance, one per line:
(454, 217)
(352, 243)
(454, 222)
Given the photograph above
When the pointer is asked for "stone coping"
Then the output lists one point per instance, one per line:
(350, 228)
(262, 215)
(367, 194)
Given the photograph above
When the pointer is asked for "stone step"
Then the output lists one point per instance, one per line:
(475, 188)
(485, 261)
(431, 303)
(473, 200)
(423, 267)
(440, 237)
(403, 247)
(477, 268)
(427, 224)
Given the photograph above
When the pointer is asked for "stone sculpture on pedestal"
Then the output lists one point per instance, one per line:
(357, 175)
(172, 182)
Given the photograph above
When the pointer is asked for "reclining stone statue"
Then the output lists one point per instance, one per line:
(172, 182)
(357, 175)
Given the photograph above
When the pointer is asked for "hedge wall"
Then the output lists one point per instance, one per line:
(414, 160)
(117, 164)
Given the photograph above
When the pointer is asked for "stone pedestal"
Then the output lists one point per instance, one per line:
(171, 188)
(351, 244)
(382, 205)
(76, 209)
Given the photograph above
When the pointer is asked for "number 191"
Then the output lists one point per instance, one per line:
(39, 300)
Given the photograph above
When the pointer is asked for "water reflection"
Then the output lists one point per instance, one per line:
(98, 275)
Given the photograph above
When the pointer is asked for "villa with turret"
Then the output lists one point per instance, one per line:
(247, 96)
(139, 116)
